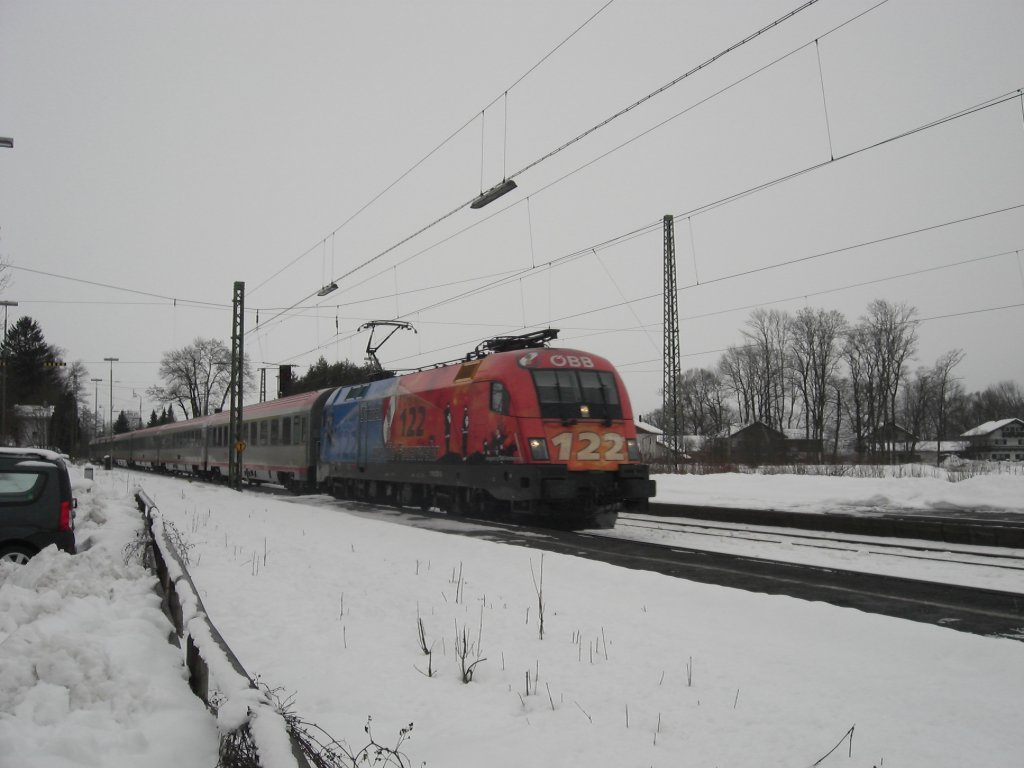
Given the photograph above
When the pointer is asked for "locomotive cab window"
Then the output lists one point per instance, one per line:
(570, 394)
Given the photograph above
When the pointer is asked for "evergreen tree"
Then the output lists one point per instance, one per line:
(323, 375)
(32, 379)
(154, 420)
(121, 425)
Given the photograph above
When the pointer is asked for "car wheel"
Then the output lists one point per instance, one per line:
(15, 554)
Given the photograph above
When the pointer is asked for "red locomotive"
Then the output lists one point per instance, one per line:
(515, 427)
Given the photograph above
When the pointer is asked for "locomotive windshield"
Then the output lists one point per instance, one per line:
(574, 394)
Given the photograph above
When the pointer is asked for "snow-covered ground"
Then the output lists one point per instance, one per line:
(634, 668)
(930, 493)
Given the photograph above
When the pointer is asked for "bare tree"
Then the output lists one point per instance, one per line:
(769, 337)
(703, 402)
(945, 387)
(815, 357)
(197, 377)
(861, 399)
(738, 367)
(918, 402)
(877, 351)
(997, 401)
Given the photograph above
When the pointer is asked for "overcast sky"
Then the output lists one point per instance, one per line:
(164, 151)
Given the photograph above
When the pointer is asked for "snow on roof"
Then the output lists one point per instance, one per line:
(989, 427)
(41, 453)
(648, 428)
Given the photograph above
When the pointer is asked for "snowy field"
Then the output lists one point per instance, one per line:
(930, 493)
(634, 668)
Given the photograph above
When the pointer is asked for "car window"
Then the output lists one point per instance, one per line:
(21, 487)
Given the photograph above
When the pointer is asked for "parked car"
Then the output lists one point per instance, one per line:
(37, 508)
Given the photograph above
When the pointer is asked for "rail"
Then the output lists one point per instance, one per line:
(244, 712)
(991, 533)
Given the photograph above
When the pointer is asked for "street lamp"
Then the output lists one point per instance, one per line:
(111, 360)
(3, 418)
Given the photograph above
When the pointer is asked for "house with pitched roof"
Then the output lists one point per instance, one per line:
(1001, 440)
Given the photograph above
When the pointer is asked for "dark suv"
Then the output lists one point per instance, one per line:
(36, 505)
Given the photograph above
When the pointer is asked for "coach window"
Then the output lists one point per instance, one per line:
(275, 432)
(499, 398)
(263, 433)
(286, 431)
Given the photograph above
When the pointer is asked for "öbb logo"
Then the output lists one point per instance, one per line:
(571, 361)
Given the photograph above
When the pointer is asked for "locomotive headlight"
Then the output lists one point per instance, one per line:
(538, 448)
(632, 450)
(584, 411)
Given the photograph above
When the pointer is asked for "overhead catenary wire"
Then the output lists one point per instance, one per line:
(436, 149)
(658, 296)
(918, 321)
(794, 297)
(703, 65)
(224, 306)
(640, 231)
(322, 243)
(83, 281)
(589, 131)
(790, 262)
(743, 273)
(721, 91)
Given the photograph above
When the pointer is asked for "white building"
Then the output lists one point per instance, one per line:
(1001, 440)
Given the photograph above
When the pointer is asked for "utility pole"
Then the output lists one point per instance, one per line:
(96, 408)
(670, 385)
(110, 413)
(236, 387)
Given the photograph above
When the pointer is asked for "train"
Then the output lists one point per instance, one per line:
(516, 429)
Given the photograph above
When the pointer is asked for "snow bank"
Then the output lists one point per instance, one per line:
(87, 676)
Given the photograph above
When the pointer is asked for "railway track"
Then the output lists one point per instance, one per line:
(983, 564)
(959, 527)
(979, 610)
(971, 608)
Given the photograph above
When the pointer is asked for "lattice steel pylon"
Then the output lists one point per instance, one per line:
(670, 380)
(236, 387)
